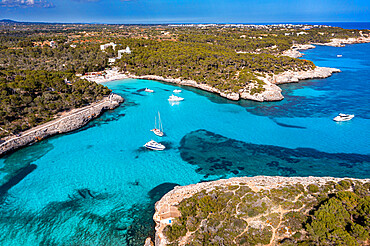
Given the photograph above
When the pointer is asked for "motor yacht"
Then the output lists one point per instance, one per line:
(153, 145)
(344, 117)
(174, 98)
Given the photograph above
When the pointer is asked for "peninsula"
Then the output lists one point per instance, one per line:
(236, 62)
(265, 210)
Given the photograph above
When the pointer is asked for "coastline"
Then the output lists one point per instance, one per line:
(70, 121)
(173, 198)
(335, 42)
(271, 92)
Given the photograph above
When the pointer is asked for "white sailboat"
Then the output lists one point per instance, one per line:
(158, 130)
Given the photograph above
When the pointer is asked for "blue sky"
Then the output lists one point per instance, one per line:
(185, 11)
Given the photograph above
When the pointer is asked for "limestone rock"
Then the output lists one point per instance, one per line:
(148, 242)
(295, 76)
(69, 122)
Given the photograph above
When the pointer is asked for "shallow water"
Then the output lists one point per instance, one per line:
(98, 185)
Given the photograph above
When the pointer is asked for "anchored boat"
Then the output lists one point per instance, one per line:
(158, 130)
(153, 145)
(174, 98)
(148, 90)
(344, 117)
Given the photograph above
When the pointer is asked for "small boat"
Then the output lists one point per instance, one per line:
(158, 130)
(339, 55)
(173, 98)
(176, 91)
(153, 145)
(344, 117)
(148, 90)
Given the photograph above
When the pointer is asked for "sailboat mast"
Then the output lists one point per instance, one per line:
(160, 122)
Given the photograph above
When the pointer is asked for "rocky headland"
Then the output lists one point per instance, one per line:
(296, 76)
(341, 42)
(294, 51)
(271, 91)
(261, 209)
(68, 122)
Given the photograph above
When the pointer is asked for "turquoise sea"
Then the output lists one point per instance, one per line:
(98, 185)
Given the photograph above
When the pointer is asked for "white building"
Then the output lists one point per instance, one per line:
(301, 33)
(121, 52)
(104, 46)
(111, 60)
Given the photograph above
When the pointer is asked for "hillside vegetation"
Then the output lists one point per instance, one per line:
(297, 214)
(34, 73)
(29, 98)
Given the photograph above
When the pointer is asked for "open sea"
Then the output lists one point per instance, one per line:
(98, 185)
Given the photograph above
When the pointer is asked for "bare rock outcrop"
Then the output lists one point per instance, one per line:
(341, 42)
(66, 123)
(294, 51)
(296, 76)
(271, 92)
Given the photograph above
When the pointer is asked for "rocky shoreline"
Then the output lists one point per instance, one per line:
(170, 200)
(335, 42)
(271, 91)
(338, 42)
(294, 51)
(66, 123)
(296, 76)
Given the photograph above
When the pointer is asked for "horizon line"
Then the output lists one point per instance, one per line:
(181, 23)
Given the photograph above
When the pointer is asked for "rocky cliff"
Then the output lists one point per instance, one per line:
(68, 122)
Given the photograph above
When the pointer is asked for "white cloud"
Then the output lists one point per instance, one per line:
(26, 3)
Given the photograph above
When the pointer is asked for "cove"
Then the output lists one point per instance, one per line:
(97, 185)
